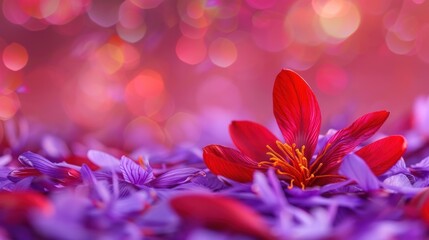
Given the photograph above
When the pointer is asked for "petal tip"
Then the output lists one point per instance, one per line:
(209, 148)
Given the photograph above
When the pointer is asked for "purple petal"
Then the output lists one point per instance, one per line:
(131, 204)
(209, 181)
(399, 167)
(175, 177)
(23, 185)
(422, 166)
(356, 169)
(5, 159)
(55, 147)
(269, 189)
(98, 191)
(323, 139)
(86, 175)
(401, 183)
(134, 173)
(47, 167)
(399, 180)
(103, 159)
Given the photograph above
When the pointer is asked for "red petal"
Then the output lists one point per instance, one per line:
(345, 140)
(420, 205)
(381, 155)
(15, 206)
(79, 161)
(229, 163)
(296, 111)
(252, 139)
(24, 172)
(221, 213)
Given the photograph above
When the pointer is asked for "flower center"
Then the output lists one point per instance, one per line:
(291, 164)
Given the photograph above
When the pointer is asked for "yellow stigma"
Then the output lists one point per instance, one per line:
(291, 164)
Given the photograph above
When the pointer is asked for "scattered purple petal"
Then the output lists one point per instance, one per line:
(134, 173)
(103, 159)
(356, 169)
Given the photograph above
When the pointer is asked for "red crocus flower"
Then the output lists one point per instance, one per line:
(298, 115)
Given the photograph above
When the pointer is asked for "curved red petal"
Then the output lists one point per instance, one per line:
(382, 154)
(252, 139)
(221, 213)
(229, 163)
(296, 111)
(345, 140)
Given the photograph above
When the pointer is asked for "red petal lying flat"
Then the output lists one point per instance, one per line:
(419, 205)
(381, 155)
(252, 139)
(15, 206)
(296, 111)
(345, 140)
(229, 163)
(23, 172)
(221, 213)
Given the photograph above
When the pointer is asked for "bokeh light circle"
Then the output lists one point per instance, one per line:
(39, 9)
(407, 28)
(104, 13)
(398, 45)
(341, 19)
(145, 93)
(131, 35)
(130, 16)
(15, 56)
(301, 23)
(9, 105)
(13, 12)
(222, 52)
(191, 31)
(191, 51)
(327, 8)
(110, 57)
(66, 11)
(148, 84)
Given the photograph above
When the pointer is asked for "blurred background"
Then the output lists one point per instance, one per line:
(139, 73)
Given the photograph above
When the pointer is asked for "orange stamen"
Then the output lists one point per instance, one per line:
(290, 162)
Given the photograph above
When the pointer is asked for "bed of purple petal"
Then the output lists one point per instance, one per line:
(61, 190)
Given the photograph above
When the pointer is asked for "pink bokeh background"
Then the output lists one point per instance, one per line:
(146, 72)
